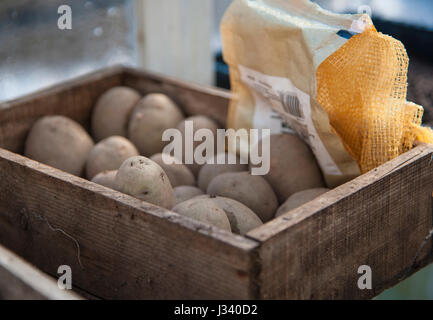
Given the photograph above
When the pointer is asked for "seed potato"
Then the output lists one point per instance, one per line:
(59, 142)
(253, 191)
(204, 210)
(109, 154)
(212, 170)
(184, 193)
(111, 113)
(154, 114)
(178, 174)
(106, 179)
(298, 199)
(142, 178)
(293, 167)
(242, 219)
(199, 122)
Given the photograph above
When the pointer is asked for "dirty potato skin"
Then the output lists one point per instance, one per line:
(154, 114)
(184, 193)
(59, 142)
(212, 170)
(142, 178)
(242, 219)
(111, 113)
(109, 154)
(204, 210)
(106, 179)
(298, 199)
(178, 174)
(293, 167)
(199, 122)
(253, 191)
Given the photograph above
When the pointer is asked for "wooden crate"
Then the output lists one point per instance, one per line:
(122, 248)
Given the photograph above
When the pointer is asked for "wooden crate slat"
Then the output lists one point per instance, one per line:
(128, 249)
(379, 219)
(21, 281)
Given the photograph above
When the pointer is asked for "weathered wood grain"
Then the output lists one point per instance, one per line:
(21, 281)
(379, 219)
(118, 247)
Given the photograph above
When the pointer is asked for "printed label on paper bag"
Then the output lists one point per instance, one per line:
(283, 108)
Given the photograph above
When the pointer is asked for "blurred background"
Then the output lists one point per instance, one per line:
(180, 38)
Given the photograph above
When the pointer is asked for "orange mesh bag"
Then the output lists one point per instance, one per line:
(332, 79)
(363, 88)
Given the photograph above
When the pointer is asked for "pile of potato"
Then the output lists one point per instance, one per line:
(128, 128)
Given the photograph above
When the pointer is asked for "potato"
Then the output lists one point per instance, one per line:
(210, 171)
(204, 210)
(154, 114)
(142, 178)
(178, 174)
(184, 193)
(109, 154)
(59, 142)
(111, 113)
(293, 167)
(106, 179)
(199, 122)
(242, 219)
(298, 199)
(253, 191)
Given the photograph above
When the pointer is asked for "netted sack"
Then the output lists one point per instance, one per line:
(332, 79)
(363, 88)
